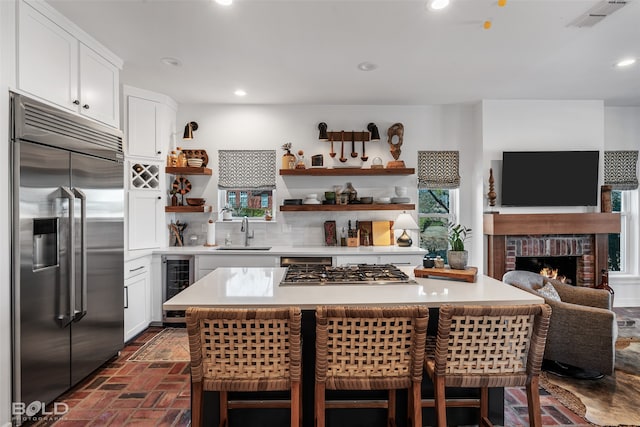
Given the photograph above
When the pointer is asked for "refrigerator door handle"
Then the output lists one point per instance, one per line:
(65, 319)
(79, 314)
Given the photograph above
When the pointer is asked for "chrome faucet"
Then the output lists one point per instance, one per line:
(244, 228)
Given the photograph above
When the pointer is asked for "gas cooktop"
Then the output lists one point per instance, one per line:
(360, 274)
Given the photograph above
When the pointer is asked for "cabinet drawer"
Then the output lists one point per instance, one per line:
(211, 262)
(136, 267)
(401, 260)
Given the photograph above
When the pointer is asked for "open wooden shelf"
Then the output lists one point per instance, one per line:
(188, 171)
(352, 207)
(185, 209)
(347, 171)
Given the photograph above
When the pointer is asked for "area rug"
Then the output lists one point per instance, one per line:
(610, 401)
(169, 345)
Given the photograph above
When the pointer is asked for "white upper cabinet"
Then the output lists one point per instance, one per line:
(149, 123)
(143, 130)
(58, 66)
(99, 81)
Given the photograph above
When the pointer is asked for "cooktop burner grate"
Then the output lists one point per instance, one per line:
(360, 274)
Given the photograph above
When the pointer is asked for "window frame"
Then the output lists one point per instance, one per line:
(629, 234)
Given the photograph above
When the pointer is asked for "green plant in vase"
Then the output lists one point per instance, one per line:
(457, 255)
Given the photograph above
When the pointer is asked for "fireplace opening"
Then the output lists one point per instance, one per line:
(563, 268)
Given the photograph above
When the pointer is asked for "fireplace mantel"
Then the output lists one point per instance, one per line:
(563, 223)
(497, 227)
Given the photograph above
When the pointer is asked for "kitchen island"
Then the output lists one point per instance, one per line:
(260, 287)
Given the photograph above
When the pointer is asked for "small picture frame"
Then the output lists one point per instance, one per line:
(317, 160)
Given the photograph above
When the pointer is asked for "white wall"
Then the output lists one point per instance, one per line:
(270, 126)
(7, 79)
(539, 125)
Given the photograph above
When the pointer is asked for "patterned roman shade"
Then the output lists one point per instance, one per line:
(247, 169)
(620, 169)
(438, 169)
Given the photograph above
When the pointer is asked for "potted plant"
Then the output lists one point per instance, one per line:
(457, 255)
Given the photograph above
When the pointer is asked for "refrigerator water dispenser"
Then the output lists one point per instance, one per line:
(45, 243)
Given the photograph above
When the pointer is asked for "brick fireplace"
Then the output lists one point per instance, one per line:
(584, 236)
(553, 251)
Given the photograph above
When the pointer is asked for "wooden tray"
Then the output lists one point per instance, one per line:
(466, 275)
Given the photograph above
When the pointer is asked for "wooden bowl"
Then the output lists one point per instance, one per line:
(193, 201)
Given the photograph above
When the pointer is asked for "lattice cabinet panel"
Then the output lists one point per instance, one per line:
(145, 176)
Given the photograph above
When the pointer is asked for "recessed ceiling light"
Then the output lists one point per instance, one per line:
(367, 66)
(438, 4)
(240, 92)
(626, 62)
(224, 2)
(174, 62)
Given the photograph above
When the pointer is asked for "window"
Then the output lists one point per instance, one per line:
(622, 247)
(251, 203)
(436, 208)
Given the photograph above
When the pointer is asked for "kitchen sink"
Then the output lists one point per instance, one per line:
(244, 248)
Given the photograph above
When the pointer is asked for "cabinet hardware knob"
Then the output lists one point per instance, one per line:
(159, 152)
(159, 197)
(85, 106)
(76, 102)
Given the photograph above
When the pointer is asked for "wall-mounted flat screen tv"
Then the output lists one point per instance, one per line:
(550, 178)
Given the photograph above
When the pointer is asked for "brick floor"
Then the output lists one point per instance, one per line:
(156, 394)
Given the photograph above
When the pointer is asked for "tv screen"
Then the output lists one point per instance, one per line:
(550, 178)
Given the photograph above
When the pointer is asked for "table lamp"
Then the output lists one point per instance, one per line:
(404, 222)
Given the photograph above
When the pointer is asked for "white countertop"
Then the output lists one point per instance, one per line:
(259, 287)
(295, 250)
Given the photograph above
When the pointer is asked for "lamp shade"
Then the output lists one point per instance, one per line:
(188, 130)
(405, 222)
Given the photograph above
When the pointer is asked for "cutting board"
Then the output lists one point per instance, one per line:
(382, 233)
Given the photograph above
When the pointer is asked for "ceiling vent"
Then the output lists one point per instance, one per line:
(597, 13)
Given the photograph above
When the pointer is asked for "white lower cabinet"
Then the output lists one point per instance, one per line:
(136, 296)
(205, 264)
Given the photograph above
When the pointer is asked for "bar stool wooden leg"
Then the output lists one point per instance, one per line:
(196, 405)
(391, 408)
(533, 402)
(295, 404)
(441, 408)
(224, 410)
(319, 415)
(484, 406)
(415, 406)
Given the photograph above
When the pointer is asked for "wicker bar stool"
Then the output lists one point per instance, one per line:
(244, 350)
(487, 346)
(370, 348)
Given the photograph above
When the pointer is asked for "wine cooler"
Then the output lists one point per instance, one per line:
(177, 275)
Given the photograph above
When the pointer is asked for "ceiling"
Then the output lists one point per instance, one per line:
(307, 51)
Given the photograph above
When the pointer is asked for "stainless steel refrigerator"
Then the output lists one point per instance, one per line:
(67, 248)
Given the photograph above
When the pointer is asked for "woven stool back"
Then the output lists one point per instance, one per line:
(245, 349)
(487, 346)
(370, 348)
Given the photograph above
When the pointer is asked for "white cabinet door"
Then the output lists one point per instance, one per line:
(47, 59)
(136, 305)
(99, 81)
(56, 66)
(145, 216)
(142, 127)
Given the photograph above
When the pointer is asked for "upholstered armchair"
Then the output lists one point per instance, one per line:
(582, 330)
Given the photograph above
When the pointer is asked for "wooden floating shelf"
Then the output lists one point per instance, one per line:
(186, 209)
(353, 207)
(188, 171)
(347, 171)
